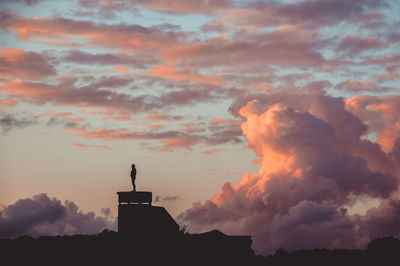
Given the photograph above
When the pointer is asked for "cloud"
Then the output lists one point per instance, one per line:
(169, 72)
(18, 63)
(27, 2)
(97, 147)
(284, 46)
(41, 215)
(10, 121)
(219, 132)
(137, 61)
(173, 6)
(171, 139)
(386, 76)
(314, 163)
(381, 113)
(360, 86)
(211, 151)
(62, 30)
(7, 102)
(159, 198)
(68, 95)
(355, 44)
(254, 12)
(106, 211)
(308, 13)
(98, 95)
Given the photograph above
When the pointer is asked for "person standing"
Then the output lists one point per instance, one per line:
(133, 176)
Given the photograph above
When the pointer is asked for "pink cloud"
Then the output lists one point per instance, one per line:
(309, 13)
(387, 76)
(75, 118)
(132, 37)
(360, 86)
(162, 117)
(138, 61)
(7, 102)
(122, 69)
(65, 94)
(312, 158)
(355, 44)
(171, 139)
(381, 113)
(27, 2)
(193, 126)
(169, 72)
(80, 145)
(94, 96)
(18, 63)
(157, 126)
(290, 45)
(97, 147)
(121, 116)
(173, 6)
(211, 151)
(387, 59)
(60, 114)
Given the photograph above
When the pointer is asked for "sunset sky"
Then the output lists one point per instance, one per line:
(277, 119)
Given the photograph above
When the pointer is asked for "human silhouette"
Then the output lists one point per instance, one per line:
(133, 177)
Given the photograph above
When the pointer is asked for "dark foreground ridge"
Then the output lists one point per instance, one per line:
(211, 248)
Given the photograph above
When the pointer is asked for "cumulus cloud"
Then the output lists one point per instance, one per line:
(42, 215)
(314, 162)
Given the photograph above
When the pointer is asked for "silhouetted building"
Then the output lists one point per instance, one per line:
(139, 219)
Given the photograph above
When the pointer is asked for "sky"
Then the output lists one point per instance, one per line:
(276, 119)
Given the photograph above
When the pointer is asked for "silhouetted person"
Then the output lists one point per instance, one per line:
(133, 177)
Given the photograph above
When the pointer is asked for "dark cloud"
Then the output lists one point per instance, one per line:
(159, 198)
(9, 122)
(41, 215)
(106, 211)
(95, 95)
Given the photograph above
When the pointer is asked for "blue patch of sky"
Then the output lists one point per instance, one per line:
(393, 12)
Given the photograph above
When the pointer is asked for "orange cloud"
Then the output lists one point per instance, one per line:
(132, 37)
(382, 115)
(171, 139)
(313, 160)
(32, 90)
(122, 69)
(7, 102)
(211, 151)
